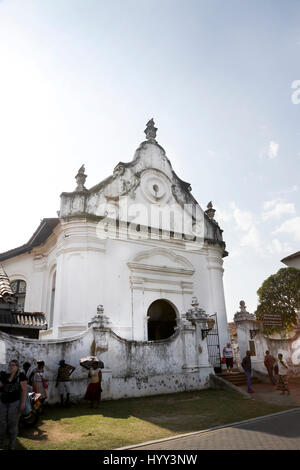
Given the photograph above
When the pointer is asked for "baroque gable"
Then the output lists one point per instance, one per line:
(144, 192)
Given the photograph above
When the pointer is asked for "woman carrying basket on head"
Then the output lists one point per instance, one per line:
(93, 392)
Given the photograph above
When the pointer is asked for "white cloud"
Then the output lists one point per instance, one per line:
(276, 247)
(244, 223)
(244, 220)
(223, 215)
(291, 227)
(252, 239)
(273, 149)
(276, 208)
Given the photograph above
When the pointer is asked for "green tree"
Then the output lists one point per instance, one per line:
(280, 294)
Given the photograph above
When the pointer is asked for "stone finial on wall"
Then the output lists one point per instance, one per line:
(100, 320)
(195, 313)
(210, 211)
(80, 179)
(150, 131)
(243, 315)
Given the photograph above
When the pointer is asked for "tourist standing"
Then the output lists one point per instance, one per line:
(13, 393)
(63, 381)
(93, 392)
(269, 362)
(26, 367)
(246, 365)
(39, 383)
(228, 354)
(283, 375)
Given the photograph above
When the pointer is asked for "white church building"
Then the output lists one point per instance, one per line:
(137, 243)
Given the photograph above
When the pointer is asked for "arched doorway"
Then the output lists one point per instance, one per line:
(162, 320)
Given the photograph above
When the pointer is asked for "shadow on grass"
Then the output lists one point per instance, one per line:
(178, 413)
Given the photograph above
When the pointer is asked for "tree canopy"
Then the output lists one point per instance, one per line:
(280, 295)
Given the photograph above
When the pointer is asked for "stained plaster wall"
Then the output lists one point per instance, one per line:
(287, 345)
(132, 368)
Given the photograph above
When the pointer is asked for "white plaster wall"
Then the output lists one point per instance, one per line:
(131, 368)
(290, 348)
(91, 271)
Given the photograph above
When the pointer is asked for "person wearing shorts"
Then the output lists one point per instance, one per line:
(63, 381)
(228, 354)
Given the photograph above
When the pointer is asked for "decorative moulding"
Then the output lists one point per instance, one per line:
(167, 253)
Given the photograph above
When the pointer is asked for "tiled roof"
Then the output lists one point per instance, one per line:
(23, 319)
(5, 288)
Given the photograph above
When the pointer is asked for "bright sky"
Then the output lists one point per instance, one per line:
(80, 78)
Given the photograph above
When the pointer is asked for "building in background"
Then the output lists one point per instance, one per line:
(13, 319)
(292, 261)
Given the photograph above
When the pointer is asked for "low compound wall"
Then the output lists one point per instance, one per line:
(286, 344)
(132, 368)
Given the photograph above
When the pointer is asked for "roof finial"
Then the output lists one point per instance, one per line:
(210, 211)
(80, 179)
(150, 131)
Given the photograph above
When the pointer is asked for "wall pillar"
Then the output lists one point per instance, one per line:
(216, 271)
(188, 344)
(137, 310)
(100, 347)
(198, 319)
(245, 324)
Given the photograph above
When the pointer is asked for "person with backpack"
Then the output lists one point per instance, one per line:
(13, 393)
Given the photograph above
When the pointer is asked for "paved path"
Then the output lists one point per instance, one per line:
(277, 432)
(269, 394)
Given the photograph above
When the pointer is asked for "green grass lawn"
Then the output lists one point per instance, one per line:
(130, 421)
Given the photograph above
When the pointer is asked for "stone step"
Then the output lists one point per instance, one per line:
(238, 379)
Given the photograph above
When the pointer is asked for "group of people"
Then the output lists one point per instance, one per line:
(277, 368)
(16, 384)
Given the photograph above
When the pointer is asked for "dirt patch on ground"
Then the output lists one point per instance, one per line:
(53, 432)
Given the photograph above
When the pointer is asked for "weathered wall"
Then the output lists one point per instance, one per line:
(132, 368)
(288, 345)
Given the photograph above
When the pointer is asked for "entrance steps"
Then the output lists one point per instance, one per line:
(237, 378)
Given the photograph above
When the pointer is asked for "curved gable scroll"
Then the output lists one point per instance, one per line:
(161, 260)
